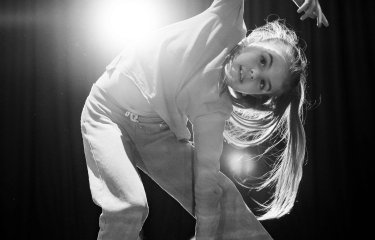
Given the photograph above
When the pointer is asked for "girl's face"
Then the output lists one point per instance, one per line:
(260, 68)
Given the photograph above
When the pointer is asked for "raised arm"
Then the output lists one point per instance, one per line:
(311, 9)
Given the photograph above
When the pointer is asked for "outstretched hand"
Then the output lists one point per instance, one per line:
(312, 9)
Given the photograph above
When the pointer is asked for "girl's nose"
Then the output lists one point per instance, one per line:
(253, 74)
(249, 74)
(257, 74)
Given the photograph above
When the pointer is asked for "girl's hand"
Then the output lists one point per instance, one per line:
(313, 10)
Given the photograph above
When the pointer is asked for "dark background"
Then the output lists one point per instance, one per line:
(48, 66)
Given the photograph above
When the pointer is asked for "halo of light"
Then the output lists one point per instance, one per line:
(113, 23)
(240, 164)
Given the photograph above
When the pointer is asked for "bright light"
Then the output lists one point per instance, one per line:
(240, 164)
(113, 23)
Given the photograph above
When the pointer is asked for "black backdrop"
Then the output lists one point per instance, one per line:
(47, 68)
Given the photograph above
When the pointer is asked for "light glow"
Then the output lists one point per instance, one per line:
(241, 164)
(113, 23)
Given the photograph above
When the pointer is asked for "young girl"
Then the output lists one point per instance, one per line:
(206, 71)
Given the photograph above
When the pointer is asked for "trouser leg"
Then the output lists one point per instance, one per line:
(114, 181)
(169, 163)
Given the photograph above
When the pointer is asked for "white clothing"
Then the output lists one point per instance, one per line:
(177, 68)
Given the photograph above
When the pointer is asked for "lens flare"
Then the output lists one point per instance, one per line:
(241, 164)
(113, 23)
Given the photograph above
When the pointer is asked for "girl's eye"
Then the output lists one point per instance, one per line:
(262, 84)
(263, 61)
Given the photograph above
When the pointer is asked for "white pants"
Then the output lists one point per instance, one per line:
(117, 142)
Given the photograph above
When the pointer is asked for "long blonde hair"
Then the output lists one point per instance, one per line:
(256, 120)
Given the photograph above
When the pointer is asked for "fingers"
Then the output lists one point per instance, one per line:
(304, 6)
(310, 10)
(325, 21)
(319, 17)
